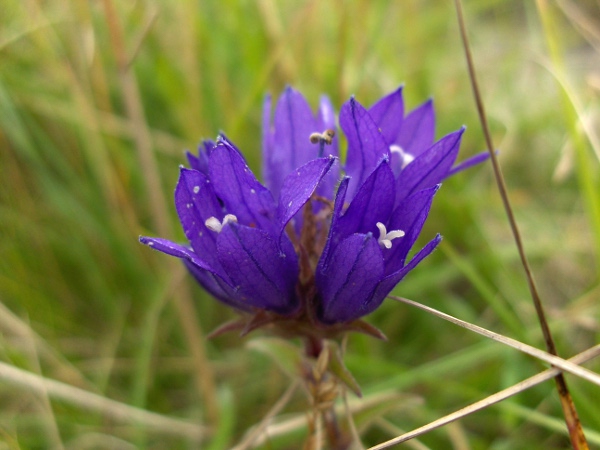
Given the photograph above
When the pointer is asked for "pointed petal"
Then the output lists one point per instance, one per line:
(327, 121)
(263, 275)
(326, 113)
(366, 144)
(349, 281)
(268, 172)
(429, 168)
(294, 123)
(215, 286)
(388, 114)
(389, 282)
(469, 162)
(195, 201)
(238, 188)
(335, 217)
(173, 249)
(373, 203)
(194, 162)
(409, 216)
(200, 162)
(418, 130)
(298, 186)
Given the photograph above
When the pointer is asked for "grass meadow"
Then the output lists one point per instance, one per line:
(102, 341)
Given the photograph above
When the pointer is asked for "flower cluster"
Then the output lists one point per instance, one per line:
(312, 249)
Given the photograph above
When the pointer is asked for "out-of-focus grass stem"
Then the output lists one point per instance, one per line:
(588, 179)
(183, 301)
(576, 433)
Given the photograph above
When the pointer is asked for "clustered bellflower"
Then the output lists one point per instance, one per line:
(320, 244)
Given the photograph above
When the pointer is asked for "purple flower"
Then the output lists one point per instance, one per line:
(306, 250)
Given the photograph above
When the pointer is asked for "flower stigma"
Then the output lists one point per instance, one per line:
(214, 224)
(406, 157)
(385, 237)
(326, 137)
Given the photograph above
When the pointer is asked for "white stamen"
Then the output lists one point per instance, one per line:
(406, 157)
(386, 238)
(196, 189)
(213, 224)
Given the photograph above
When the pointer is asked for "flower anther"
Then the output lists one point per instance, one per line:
(385, 237)
(214, 224)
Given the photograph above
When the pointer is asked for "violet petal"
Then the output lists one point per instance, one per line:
(389, 282)
(409, 216)
(326, 119)
(294, 123)
(366, 144)
(429, 168)
(268, 172)
(469, 162)
(180, 251)
(373, 203)
(298, 186)
(263, 275)
(195, 201)
(335, 217)
(215, 286)
(238, 188)
(388, 113)
(349, 281)
(200, 162)
(418, 130)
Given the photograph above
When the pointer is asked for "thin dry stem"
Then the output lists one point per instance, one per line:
(50, 424)
(392, 429)
(183, 302)
(299, 421)
(491, 400)
(96, 403)
(12, 325)
(357, 442)
(571, 418)
(259, 429)
(554, 360)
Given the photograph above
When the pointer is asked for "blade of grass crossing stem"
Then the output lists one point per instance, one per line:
(576, 433)
(489, 401)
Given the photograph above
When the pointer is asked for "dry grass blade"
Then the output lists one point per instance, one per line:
(578, 439)
(183, 302)
(540, 354)
(12, 325)
(491, 400)
(92, 402)
(357, 406)
(249, 440)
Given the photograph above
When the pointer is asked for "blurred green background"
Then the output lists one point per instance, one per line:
(99, 99)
